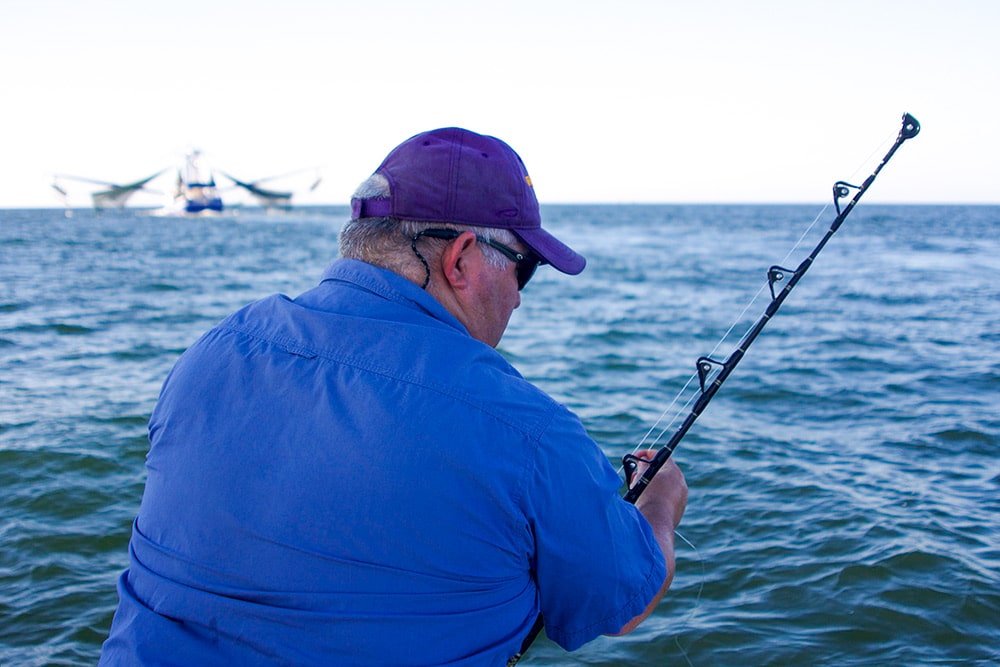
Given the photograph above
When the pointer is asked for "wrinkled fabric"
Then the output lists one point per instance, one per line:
(350, 478)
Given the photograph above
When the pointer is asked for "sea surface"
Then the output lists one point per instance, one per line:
(844, 483)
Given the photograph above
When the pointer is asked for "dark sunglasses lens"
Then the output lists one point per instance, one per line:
(525, 269)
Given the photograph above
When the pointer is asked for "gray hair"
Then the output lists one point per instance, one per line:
(385, 242)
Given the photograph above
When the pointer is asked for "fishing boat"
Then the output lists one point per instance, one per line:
(196, 191)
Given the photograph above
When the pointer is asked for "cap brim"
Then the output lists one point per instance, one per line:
(552, 250)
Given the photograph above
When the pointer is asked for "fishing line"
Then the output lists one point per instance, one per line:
(681, 410)
(725, 337)
(697, 599)
(712, 373)
(910, 129)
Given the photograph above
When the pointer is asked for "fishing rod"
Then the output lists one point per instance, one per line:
(712, 373)
(709, 384)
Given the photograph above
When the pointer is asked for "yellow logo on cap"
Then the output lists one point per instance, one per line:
(527, 179)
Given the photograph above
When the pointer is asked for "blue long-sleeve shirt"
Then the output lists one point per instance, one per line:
(350, 478)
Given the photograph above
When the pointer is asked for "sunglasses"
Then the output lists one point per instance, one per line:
(526, 263)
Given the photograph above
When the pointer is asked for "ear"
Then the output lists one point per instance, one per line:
(456, 260)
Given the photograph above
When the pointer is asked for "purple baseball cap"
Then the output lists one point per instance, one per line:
(457, 176)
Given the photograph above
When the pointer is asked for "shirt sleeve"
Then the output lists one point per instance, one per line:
(597, 564)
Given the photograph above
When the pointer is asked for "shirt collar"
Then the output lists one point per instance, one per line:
(390, 286)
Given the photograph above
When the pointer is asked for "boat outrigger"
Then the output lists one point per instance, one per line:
(266, 197)
(113, 195)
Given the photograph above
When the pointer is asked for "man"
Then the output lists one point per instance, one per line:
(356, 477)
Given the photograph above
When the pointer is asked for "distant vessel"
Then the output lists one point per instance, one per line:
(196, 191)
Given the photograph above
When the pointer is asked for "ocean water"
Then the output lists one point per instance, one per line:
(844, 484)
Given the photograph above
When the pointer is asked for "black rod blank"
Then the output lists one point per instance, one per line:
(775, 275)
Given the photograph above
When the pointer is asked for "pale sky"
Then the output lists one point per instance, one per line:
(624, 101)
